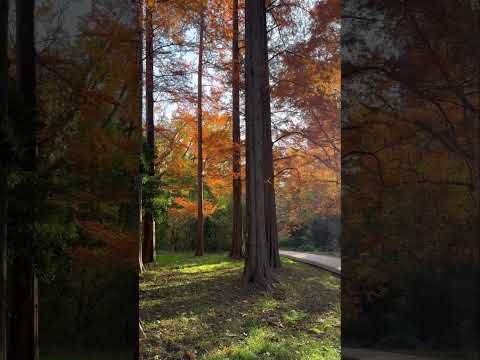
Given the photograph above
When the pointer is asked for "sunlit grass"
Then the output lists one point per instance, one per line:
(197, 304)
(268, 304)
(263, 343)
(185, 259)
(192, 269)
(294, 316)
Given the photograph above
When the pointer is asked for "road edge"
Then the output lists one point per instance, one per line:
(313, 263)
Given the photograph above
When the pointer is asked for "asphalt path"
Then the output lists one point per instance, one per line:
(334, 265)
(326, 262)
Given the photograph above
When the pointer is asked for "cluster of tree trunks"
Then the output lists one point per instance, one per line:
(262, 240)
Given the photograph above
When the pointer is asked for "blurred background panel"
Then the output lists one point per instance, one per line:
(72, 169)
(410, 176)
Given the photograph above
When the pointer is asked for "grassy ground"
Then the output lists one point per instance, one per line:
(197, 306)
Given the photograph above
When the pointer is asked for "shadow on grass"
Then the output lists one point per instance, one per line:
(207, 311)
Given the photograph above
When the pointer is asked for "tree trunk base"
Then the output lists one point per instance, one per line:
(148, 249)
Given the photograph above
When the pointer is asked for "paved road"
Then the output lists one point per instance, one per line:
(330, 263)
(334, 265)
(367, 354)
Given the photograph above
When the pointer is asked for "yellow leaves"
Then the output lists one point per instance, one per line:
(184, 208)
(178, 139)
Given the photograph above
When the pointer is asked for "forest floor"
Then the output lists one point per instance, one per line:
(196, 306)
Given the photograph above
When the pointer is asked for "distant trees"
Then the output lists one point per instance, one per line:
(306, 98)
(177, 165)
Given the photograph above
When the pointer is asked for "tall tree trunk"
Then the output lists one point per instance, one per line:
(3, 175)
(149, 223)
(236, 251)
(200, 236)
(257, 265)
(270, 204)
(23, 342)
(140, 135)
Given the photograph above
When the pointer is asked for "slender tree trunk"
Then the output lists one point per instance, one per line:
(23, 342)
(140, 7)
(200, 236)
(149, 223)
(139, 25)
(3, 176)
(257, 269)
(236, 251)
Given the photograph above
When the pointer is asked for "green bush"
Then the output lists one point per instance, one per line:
(180, 235)
(318, 234)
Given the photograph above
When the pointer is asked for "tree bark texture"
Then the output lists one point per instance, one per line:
(257, 269)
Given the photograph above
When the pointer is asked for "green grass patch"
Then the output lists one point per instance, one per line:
(197, 304)
(293, 315)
